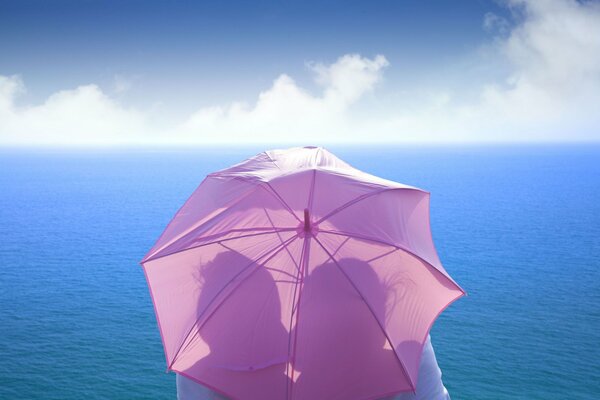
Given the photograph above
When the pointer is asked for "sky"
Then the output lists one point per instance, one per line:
(173, 73)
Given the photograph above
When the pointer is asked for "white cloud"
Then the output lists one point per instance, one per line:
(349, 78)
(554, 87)
(551, 92)
(81, 116)
(286, 112)
(283, 113)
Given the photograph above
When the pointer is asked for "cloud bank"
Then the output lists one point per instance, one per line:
(550, 92)
(81, 116)
(287, 111)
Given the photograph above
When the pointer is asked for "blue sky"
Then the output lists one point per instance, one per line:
(179, 72)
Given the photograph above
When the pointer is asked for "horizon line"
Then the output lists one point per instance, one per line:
(196, 146)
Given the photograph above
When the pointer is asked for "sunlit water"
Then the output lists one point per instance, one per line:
(517, 227)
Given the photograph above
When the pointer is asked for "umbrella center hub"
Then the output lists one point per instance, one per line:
(307, 227)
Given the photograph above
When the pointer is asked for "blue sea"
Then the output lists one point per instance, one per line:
(517, 226)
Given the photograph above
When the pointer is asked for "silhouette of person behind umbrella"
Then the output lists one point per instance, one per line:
(248, 342)
(337, 328)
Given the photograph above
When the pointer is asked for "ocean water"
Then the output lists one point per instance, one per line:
(517, 227)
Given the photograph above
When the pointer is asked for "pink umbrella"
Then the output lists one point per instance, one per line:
(293, 275)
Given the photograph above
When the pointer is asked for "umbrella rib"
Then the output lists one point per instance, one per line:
(211, 218)
(296, 312)
(270, 253)
(341, 245)
(279, 236)
(356, 200)
(277, 230)
(278, 196)
(272, 192)
(309, 207)
(404, 249)
(404, 370)
(310, 202)
(192, 229)
(266, 229)
(387, 253)
(296, 307)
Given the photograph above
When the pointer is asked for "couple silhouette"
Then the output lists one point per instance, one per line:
(336, 349)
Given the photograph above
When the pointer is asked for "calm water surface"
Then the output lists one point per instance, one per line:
(517, 227)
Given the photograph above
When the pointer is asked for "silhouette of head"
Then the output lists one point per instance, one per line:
(240, 321)
(245, 324)
(341, 345)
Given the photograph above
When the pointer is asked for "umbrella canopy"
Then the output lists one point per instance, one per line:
(293, 275)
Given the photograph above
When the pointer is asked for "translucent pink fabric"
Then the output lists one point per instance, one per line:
(293, 275)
